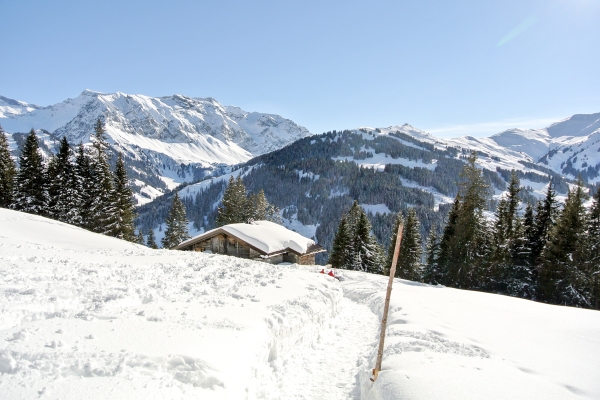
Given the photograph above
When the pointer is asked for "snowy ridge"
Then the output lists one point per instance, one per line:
(159, 134)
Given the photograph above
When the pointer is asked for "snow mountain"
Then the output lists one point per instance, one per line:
(569, 147)
(165, 140)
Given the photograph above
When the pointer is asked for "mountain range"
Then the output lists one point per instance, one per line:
(165, 140)
(173, 140)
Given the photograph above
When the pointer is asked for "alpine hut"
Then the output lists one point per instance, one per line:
(257, 240)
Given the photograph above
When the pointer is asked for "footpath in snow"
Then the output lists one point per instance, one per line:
(87, 316)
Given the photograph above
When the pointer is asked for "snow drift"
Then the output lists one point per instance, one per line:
(87, 316)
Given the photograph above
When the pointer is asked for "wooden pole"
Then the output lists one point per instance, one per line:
(386, 306)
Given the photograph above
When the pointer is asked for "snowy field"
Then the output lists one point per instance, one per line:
(87, 316)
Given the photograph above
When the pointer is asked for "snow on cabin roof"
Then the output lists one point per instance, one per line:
(266, 236)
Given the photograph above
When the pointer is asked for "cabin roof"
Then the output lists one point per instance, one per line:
(265, 236)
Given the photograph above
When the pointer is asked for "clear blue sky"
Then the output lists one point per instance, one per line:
(454, 68)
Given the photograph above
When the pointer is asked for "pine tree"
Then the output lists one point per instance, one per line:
(545, 217)
(367, 252)
(234, 206)
(30, 191)
(507, 235)
(353, 216)
(593, 243)
(139, 238)
(529, 234)
(64, 196)
(561, 278)
(431, 271)
(151, 240)
(259, 209)
(8, 172)
(409, 258)
(519, 275)
(122, 226)
(177, 230)
(465, 246)
(85, 187)
(102, 210)
(447, 253)
(341, 252)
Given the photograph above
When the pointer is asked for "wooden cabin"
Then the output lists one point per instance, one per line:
(260, 240)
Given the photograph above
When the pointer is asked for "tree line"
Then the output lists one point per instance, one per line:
(237, 206)
(548, 251)
(75, 186)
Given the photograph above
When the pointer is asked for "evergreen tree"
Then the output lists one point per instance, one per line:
(561, 278)
(367, 252)
(30, 191)
(529, 234)
(409, 259)
(593, 244)
(465, 246)
(85, 187)
(139, 239)
(64, 196)
(151, 240)
(431, 271)
(259, 209)
(8, 172)
(234, 206)
(102, 210)
(447, 254)
(353, 216)
(341, 252)
(177, 230)
(122, 226)
(519, 275)
(508, 241)
(545, 217)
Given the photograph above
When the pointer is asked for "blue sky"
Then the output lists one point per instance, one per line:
(452, 68)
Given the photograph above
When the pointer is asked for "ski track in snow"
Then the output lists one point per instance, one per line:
(329, 368)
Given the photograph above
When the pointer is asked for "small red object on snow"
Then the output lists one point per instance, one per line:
(331, 273)
(322, 271)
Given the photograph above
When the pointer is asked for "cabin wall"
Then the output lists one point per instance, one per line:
(307, 259)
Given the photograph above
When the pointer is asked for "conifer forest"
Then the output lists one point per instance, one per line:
(516, 245)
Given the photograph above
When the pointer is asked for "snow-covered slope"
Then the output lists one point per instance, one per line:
(87, 316)
(445, 343)
(175, 138)
(570, 147)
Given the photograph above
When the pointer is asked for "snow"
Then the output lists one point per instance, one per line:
(88, 316)
(266, 236)
(378, 162)
(309, 231)
(454, 344)
(376, 208)
(161, 133)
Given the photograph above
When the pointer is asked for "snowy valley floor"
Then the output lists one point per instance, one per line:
(87, 316)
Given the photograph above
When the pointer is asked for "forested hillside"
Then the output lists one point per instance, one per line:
(316, 179)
